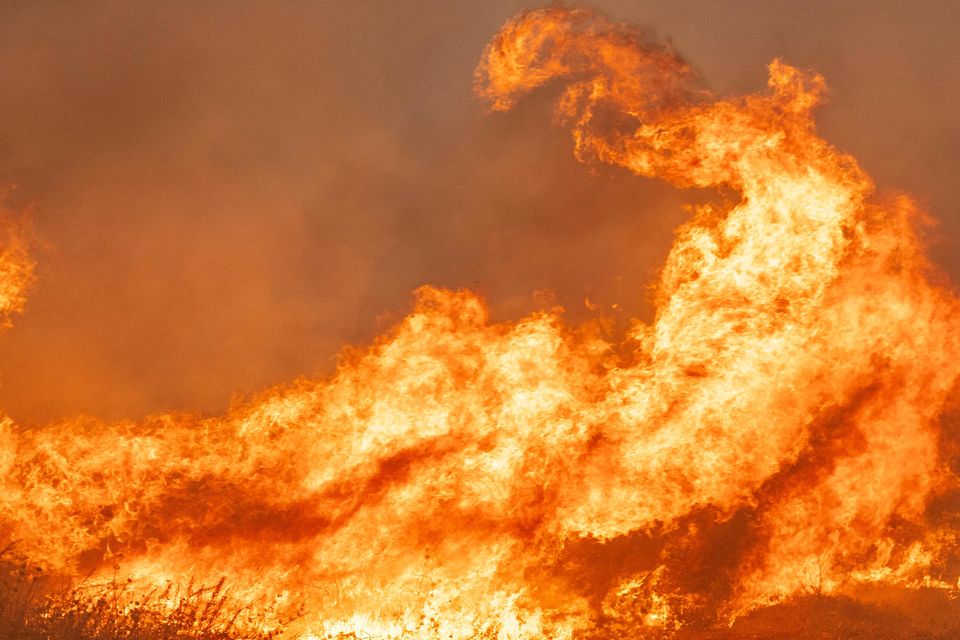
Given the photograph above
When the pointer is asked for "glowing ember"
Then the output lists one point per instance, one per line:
(775, 430)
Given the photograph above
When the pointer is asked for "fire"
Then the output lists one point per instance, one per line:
(16, 265)
(776, 429)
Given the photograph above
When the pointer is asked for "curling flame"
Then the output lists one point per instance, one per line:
(769, 432)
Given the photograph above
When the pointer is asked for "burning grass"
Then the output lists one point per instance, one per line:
(774, 435)
(36, 606)
(927, 614)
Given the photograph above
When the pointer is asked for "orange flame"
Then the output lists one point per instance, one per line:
(16, 266)
(775, 429)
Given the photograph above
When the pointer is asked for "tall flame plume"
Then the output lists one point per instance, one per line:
(776, 428)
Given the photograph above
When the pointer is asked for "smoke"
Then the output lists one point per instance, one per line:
(775, 429)
(227, 194)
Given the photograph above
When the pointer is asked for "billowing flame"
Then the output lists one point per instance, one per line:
(776, 429)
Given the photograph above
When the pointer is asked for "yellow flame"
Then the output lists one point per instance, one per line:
(460, 478)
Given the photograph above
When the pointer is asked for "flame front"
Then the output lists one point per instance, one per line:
(775, 429)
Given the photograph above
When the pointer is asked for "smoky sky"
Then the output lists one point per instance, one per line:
(226, 193)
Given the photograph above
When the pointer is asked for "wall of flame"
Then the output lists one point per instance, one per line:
(776, 428)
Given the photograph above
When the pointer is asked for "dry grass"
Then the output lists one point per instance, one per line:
(34, 606)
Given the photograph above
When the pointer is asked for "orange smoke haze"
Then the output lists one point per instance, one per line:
(769, 422)
(226, 195)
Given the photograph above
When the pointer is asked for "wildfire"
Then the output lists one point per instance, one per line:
(776, 429)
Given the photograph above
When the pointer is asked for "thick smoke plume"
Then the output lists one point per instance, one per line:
(226, 195)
